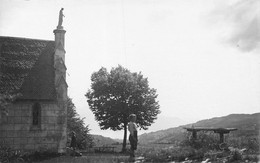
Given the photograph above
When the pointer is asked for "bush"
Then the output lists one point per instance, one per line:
(40, 155)
(204, 140)
(9, 155)
(250, 143)
(157, 153)
(253, 158)
(206, 146)
(235, 155)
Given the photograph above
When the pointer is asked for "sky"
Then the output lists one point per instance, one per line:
(201, 56)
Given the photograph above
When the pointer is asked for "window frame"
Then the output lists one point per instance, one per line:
(36, 114)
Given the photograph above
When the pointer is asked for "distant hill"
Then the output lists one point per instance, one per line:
(102, 141)
(165, 122)
(118, 140)
(247, 125)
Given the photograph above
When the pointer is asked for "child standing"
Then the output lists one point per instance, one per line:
(133, 134)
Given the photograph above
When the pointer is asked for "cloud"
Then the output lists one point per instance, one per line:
(240, 21)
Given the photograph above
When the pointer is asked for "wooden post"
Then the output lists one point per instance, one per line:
(221, 137)
(194, 134)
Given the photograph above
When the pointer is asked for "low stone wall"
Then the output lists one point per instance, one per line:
(18, 132)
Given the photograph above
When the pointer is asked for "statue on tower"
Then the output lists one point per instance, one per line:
(60, 19)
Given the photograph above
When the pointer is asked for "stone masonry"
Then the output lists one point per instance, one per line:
(18, 132)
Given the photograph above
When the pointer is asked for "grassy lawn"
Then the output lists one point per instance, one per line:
(155, 150)
(90, 158)
(159, 153)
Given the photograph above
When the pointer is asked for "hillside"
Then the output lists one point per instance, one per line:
(166, 122)
(102, 141)
(247, 125)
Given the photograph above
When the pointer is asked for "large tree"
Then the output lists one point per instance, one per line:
(116, 94)
(76, 124)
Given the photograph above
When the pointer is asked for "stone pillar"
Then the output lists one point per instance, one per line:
(59, 37)
(60, 43)
(61, 85)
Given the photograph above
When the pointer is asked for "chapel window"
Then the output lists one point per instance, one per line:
(36, 114)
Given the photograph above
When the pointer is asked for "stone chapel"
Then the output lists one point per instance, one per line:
(35, 70)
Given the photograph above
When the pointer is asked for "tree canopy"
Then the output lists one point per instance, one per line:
(116, 94)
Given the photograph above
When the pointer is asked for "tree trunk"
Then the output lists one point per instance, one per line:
(125, 136)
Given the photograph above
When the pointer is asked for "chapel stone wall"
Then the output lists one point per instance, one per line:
(18, 132)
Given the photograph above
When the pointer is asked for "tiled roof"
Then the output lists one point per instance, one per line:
(26, 67)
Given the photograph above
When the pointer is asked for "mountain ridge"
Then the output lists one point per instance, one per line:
(100, 140)
(247, 125)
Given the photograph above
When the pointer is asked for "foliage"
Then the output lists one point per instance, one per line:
(76, 124)
(5, 100)
(116, 94)
(234, 151)
(251, 157)
(235, 155)
(40, 156)
(100, 140)
(251, 143)
(170, 152)
(204, 140)
(205, 147)
(9, 155)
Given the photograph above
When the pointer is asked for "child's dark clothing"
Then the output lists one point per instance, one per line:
(133, 141)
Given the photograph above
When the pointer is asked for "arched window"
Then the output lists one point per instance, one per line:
(36, 114)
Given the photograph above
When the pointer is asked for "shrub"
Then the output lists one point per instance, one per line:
(9, 155)
(253, 158)
(157, 153)
(235, 155)
(206, 146)
(250, 143)
(206, 140)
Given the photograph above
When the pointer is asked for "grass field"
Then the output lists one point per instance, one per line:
(151, 153)
(98, 158)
